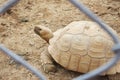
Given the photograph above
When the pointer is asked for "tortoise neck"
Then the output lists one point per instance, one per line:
(49, 36)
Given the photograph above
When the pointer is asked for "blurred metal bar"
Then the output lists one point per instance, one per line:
(8, 5)
(22, 61)
(116, 48)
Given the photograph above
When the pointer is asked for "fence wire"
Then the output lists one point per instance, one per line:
(92, 16)
(8, 5)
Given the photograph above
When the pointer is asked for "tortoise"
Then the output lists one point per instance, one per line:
(81, 46)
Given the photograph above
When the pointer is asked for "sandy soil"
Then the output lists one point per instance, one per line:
(16, 32)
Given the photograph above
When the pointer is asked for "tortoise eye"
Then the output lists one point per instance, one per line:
(39, 29)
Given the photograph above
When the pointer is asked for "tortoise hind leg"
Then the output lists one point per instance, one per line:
(114, 77)
(47, 62)
(107, 77)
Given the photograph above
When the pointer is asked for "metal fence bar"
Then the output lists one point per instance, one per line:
(116, 48)
(7, 5)
(22, 61)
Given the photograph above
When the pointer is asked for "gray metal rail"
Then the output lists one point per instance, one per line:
(91, 15)
(8, 5)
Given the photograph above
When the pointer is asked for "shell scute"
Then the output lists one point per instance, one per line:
(83, 67)
(75, 28)
(64, 42)
(64, 59)
(79, 45)
(111, 71)
(109, 53)
(94, 64)
(73, 62)
(97, 47)
(54, 52)
(84, 64)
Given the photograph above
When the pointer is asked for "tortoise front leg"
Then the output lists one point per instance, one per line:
(47, 62)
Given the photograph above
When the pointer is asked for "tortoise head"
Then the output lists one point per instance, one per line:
(44, 32)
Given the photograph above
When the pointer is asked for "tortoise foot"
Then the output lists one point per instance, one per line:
(47, 62)
(49, 67)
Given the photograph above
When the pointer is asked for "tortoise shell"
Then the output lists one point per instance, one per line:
(82, 46)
